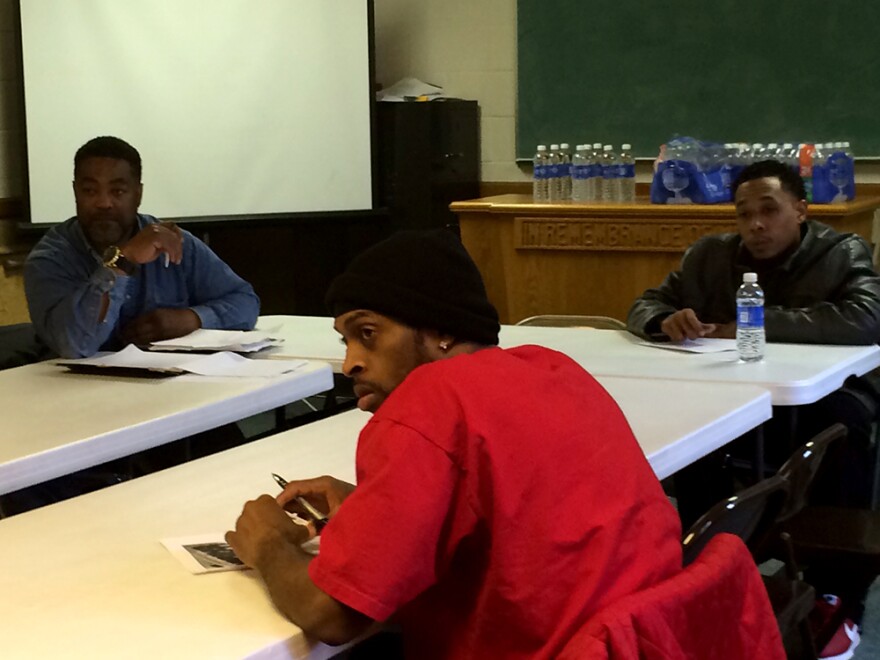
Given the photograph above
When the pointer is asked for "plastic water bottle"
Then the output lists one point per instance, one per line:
(554, 182)
(789, 156)
(540, 193)
(579, 174)
(626, 181)
(609, 174)
(851, 186)
(565, 171)
(595, 185)
(750, 319)
(805, 161)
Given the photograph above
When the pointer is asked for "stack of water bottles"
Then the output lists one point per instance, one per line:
(594, 173)
(698, 172)
(828, 171)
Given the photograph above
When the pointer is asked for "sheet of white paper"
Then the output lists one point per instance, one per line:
(204, 553)
(210, 553)
(243, 341)
(409, 87)
(695, 345)
(222, 363)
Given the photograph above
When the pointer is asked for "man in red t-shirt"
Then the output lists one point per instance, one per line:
(502, 498)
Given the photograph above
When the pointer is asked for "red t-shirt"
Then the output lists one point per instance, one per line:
(502, 499)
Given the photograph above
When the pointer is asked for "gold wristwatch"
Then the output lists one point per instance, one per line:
(113, 258)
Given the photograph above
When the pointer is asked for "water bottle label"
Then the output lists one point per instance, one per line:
(595, 170)
(554, 171)
(540, 172)
(627, 171)
(579, 171)
(750, 316)
(609, 171)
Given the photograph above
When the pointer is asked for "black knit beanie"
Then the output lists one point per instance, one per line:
(424, 279)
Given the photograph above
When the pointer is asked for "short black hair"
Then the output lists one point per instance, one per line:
(108, 146)
(790, 180)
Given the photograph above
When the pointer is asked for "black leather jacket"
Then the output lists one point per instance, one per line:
(826, 292)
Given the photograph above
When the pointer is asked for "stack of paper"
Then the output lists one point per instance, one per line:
(239, 341)
(223, 363)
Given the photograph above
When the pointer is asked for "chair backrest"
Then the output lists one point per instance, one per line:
(574, 321)
(801, 468)
(715, 608)
(750, 515)
(19, 345)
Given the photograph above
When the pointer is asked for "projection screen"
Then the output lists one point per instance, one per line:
(238, 107)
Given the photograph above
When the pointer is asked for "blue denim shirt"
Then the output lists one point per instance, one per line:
(65, 281)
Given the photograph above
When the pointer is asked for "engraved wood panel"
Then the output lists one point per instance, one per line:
(596, 259)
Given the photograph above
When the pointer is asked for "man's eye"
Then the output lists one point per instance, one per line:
(367, 333)
(118, 191)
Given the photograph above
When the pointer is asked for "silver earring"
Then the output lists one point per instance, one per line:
(444, 346)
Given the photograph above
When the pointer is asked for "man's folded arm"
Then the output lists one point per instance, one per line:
(221, 299)
(74, 318)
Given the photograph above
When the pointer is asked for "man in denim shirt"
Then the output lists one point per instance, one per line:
(110, 276)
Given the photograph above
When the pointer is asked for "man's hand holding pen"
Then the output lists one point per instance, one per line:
(265, 521)
(260, 527)
(323, 493)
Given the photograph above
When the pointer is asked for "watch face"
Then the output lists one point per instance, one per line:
(110, 255)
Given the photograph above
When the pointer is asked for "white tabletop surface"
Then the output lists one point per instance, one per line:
(305, 338)
(56, 422)
(795, 374)
(88, 578)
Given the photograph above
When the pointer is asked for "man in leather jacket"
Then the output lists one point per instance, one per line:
(820, 287)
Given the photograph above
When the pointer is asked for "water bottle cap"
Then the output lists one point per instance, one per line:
(772, 145)
(626, 147)
(838, 145)
(581, 147)
(750, 278)
(554, 147)
(597, 145)
(542, 147)
(607, 147)
(787, 145)
(845, 144)
(564, 145)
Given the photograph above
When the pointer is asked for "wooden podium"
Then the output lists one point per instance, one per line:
(573, 258)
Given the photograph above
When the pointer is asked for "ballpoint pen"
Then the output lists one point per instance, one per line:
(318, 518)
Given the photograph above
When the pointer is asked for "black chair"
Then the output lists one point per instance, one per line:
(792, 598)
(832, 540)
(750, 515)
(19, 345)
(574, 321)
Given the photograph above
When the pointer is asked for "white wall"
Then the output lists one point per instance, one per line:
(467, 46)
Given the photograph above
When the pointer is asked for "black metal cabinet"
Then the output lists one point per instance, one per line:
(429, 157)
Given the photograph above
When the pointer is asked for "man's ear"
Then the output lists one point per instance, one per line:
(801, 207)
(437, 345)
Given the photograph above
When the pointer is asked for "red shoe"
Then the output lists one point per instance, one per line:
(824, 615)
(843, 644)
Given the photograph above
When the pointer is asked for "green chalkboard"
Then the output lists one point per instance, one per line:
(641, 71)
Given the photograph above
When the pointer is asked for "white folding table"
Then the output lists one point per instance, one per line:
(88, 578)
(56, 422)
